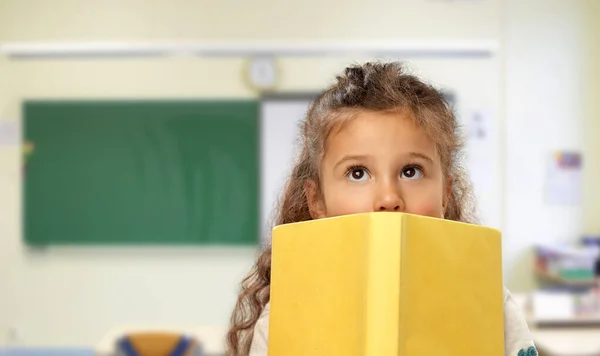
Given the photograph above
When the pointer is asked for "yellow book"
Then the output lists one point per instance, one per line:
(386, 284)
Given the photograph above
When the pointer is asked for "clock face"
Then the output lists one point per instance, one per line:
(262, 73)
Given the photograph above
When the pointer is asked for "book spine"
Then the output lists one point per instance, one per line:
(383, 286)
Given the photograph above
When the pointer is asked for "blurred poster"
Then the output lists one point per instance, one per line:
(480, 147)
(478, 126)
(564, 178)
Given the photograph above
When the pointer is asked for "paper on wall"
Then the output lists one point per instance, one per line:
(564, 178)
(9, 133)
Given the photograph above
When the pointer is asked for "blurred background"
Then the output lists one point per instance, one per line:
(109, 220)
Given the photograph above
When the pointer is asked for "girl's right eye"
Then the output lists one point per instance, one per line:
(357, 174)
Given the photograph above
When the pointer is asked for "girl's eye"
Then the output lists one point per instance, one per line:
(358, 174)
(412, 173)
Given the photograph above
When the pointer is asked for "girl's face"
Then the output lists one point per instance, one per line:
(379, 162)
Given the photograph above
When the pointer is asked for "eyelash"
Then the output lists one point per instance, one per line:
(355, 167)
(415, 166)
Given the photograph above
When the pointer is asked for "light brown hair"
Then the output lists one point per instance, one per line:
(372, 86)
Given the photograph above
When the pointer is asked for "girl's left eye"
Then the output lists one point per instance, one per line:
(412, 173)
(357, 174)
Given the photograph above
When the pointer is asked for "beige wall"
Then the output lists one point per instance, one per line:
(8, 209)
(34, 20)
(591, 93)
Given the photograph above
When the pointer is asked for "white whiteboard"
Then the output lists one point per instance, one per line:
(279, 133)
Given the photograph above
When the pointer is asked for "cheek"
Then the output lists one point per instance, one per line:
(427, 203)
(432, 210)
(346, 201)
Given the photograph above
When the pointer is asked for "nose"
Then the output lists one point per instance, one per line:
(388, 198)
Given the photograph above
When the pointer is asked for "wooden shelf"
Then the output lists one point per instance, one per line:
(576, 321)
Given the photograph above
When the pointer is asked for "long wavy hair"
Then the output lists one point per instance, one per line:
(373, 86)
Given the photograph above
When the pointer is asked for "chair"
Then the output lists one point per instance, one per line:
(158, 344)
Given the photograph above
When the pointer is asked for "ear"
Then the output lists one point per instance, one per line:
(316, 206)
(447, 194)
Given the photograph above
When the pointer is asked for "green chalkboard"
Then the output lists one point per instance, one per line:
(141, 172)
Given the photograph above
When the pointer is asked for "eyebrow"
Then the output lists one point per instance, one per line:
(420, 155)
(351, 158)
(365, 157)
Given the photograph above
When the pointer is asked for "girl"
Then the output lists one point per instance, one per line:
(377, 140)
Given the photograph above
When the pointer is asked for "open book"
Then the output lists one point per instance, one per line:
(386, 284)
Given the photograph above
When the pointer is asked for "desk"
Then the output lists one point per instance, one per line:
(567, 341)
(560, 340)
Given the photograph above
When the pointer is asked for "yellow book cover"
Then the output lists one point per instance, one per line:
(386, 284)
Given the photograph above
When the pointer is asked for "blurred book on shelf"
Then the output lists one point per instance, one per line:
(569, 283)
(568, 265)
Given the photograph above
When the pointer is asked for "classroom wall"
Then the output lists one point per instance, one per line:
(591, 93)
(80, 283)
(7, 213)
(70, 297)
(231, 19)
(545, 45)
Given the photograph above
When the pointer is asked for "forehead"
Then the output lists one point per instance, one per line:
(379, 133)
